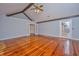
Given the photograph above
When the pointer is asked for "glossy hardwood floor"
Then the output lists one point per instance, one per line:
(37, 45)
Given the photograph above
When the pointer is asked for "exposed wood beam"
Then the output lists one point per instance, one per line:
(27, 16)
(73, 16)
(14, 13)
(21, 11)
(27, 7)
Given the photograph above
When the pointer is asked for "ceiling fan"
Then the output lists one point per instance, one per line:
(37, 8)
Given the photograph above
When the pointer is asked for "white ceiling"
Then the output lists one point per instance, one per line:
(51, 10)
(6, 8)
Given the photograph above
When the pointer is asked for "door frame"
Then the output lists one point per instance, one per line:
(70, 28)
(30, 28)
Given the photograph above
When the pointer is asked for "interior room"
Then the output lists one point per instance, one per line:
(39, 29)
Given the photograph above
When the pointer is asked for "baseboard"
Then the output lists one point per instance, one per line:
(14, 37)
(48, 35)
(57, 36)
(36, 33)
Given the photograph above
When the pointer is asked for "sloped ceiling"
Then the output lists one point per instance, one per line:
(6, 8)
(51, 10)
(54, 10)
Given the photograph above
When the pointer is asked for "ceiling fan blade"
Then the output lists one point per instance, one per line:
(41, 5)
(38, 7)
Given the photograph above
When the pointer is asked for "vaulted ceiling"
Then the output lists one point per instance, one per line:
(6, 8)
(51, 10)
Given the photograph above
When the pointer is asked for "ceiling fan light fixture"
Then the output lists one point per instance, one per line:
(37, 8)
(37, 11)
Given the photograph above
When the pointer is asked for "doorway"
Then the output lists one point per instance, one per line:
(32, 29)
(66, 28)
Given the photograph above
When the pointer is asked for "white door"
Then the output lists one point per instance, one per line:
(66, 28)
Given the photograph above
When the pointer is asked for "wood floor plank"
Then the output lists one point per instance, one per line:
(76, 47)
(37, 45)
(60, 49)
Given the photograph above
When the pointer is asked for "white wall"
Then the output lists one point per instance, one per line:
(11, 27)
(53, 28)
(75, 27)
(49, 28)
